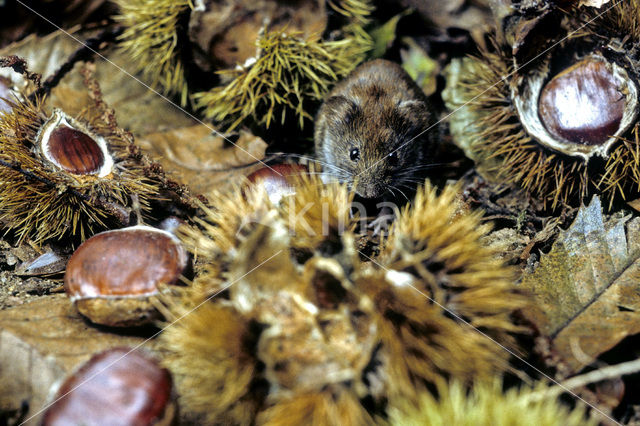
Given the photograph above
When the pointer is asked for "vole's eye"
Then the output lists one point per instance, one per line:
(354, 154)
(393, 158)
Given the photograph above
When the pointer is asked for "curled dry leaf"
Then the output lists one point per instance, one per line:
(44, 55)
(587, 288)
(471, 15)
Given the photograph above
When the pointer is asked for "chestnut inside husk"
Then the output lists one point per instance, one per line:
(552, 105)
(70, 146)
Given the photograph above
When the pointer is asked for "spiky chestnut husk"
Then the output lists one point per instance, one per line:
(438, 281)
(290, 71)
(316, 214)
(498, 128)
(329, 407)
(209, 354)
(150, 40)
(224, 35)
(306, 334)
(302, 327)
(331, 335)
(486, 404)
(42, 200)
(231, 214)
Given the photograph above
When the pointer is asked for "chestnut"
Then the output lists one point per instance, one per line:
(278, 180)
(68, 177)
(561, 129)
(582, 110)
(70, 146)
(112, 276)
(119, 386)
(583, 104)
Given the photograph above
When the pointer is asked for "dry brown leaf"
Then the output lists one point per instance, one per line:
(44, 55)
(200, 158)
(139, 109)
(471, 15)
(587, 289)
(39, 343)
(634, 204)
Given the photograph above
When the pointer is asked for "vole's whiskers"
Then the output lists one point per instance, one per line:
(400, 191)
(390, 189)
(405, 179)
(321, 162)
(420, 167)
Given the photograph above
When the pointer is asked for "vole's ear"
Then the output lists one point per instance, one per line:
(415, 111)
(340, 108)
(412, 107)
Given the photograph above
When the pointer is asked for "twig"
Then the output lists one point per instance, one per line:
(19, 65)
(599, 375)
(30, 175)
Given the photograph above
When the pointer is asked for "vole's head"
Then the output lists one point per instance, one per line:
(373, 144)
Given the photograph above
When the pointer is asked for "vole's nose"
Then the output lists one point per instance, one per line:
(371, 190)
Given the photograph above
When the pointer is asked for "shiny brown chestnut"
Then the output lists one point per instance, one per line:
(582, 110)
(278, 179)
(119, 386)
(70, 146)
(112, 276)
(584, 104)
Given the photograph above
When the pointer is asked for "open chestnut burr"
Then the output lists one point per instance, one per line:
(65, 176)
(582, 110)
(552, 105)
(68, 146)
(115, 387)
(113, 276)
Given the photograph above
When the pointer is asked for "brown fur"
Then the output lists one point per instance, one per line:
(378, 109)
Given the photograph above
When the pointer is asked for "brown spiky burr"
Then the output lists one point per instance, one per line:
(307, 328)
(561, 124)
(66, 176)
